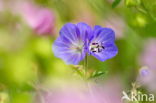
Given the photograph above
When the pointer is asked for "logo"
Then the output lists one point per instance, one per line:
(138, 96)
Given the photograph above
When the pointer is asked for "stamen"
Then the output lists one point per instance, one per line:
(96, 47)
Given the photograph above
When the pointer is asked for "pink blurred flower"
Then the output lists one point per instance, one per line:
(117, 24)
(1, 5)
(110, 92)
(148, 56)
(39, 19)
(66, 96)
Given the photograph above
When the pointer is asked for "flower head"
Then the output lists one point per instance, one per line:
(101, 43)
(78, 40)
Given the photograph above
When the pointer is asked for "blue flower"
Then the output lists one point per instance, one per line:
(78, 40)
(102, 44)
(71, 46)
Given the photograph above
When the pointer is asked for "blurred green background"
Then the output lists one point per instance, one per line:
(26, 57)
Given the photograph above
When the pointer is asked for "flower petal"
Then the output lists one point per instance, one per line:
(68, 32)
(103, 34)
(71, 45)
(105, 37)
(62, 50)
(84, 30)
(110, 51)
(75, 33)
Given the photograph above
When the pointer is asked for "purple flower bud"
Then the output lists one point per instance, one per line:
(147, 78)
(144, 72)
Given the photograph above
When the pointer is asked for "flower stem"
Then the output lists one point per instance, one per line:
(86, 78)
(86, 66)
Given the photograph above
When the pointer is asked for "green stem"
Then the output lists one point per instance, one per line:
(86, 66)
(86, 77)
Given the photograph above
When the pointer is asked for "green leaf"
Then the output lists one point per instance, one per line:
(97, 74)
(79, 71)
(115, 3)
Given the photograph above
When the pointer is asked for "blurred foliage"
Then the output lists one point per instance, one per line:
(115, 3)
(27, 58)
(131, 3)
